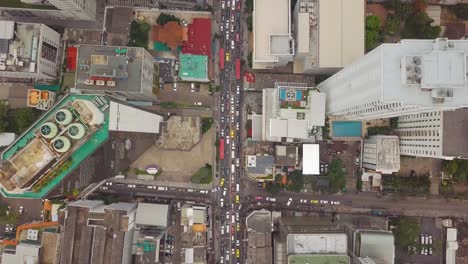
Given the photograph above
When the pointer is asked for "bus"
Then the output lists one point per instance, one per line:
(238, 69)
(221, 58)
(221, 148)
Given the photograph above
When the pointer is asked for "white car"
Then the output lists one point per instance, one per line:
(335, 202)
(237, 243)
(21, 210)
(197, 103)
(103, 187)
(160, 188)
(221, 202)
(203, 191)
(131, 186)
(221, 28)
(223, 4)
(303, 201)
(238, 89)
(224, 191)
(237, 162)
(151, 187)
(323, 201)
(289, 202)
(222, 132)
(237, 126)
(271, 199)
(232, 45)
(108, 183)
(227, 34)
(227, 141)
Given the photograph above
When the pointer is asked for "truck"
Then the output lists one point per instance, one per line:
(238, 69)
(221, 58)
(221, 148)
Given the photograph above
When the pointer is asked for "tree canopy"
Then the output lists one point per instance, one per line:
(457, 168)
(295, 181)
(164, 18)
(336, 174)
(372, 31)
(460, 10)
(418, 26)
(139, 34)
(407, 232)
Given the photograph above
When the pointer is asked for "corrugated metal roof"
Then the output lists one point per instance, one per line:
(152, 214)
(7, 29)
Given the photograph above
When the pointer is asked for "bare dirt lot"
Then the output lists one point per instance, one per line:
(180, 133)
(184, 96)
(178, 165)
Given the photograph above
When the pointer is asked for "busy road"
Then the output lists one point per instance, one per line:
(227, 195)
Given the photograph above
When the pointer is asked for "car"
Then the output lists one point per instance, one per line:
(197, 103)
(237, 124)
(227, 56)
(323, 201)
(237, 199)
(237, 253)
(228, 140)
(222, 119)
(237, 227)
(232, 18)
(430, 240)
(259, 185)
(8, 210)
(161, 188)
(175, 87)
(42, 215)
(335, 202)
(192, 87)
(221, 183)
(227, 36)
(237, 37)
(222, 132)
(108, 183)
(237, 162)
(203, 191)
(348, 203)
(258, 198)
(271, 199)
(290, 200)
(224, 191)
(233, 5)
(221, 202)
(232, 44)
(21, 210)
(103, 187)
(357, 160)
(303, 201)
(228, 2)
(232, 28)
(314, 201)
(151, 187)
(184, 23)
(223, 4)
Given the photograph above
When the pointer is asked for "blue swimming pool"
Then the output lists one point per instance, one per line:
(346, 128)
(282, 94)
(298, 95)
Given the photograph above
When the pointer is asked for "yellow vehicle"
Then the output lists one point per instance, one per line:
(238, 227)
(221, 183)
(314, 201)
(227, 56)
(232, 133)
(237, 253)
(237, 198)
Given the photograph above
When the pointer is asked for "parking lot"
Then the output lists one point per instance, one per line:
(184, 97)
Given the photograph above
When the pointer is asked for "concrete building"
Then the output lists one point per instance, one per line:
(329, 34)
(273, 40)
(122, 118)
(374, 247)
(261, 167)
(287, 156)
(193, 68)
(98, 233)
(381, 154)
(23, 253)
(409, 77)
(125, 73)
(28, 51)
(292, 112)
(259, 248)
(451, 246)
(54, 9)
(438, 134)
(310, 159)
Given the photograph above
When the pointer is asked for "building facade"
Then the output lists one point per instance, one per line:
(409, 77)
(381, 154)
(59, 9)
(82, 9)
(437, 134)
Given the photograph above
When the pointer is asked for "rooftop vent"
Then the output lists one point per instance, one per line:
(76, 131)
(63, 117)
(61, 144)
(49, 130)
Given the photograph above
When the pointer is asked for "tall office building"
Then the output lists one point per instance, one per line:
(52, 9)
(409, 77)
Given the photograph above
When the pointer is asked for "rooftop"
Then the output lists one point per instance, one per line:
(321, 243)
(107, 68)
(310, 159)
(193, 68)
(122, 118)
(376, 244)
(455, 129)
(152, 214)
(172, 34)
(259, 232)
(318, 259)
(272, 29)
(260, 165)
(199, 38)
(43, 147)
(286, 155)
(92, 223)
(382, 154)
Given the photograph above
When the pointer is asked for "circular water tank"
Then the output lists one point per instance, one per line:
(76, 131)
(49, 130)
(63, 117)
(61, 144)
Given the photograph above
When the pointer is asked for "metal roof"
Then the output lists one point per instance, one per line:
(122, 118)
(310, 159)
(152, 214)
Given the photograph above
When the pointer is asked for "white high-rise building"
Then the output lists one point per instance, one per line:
(409, 77)
(438, 134)
(81, 9)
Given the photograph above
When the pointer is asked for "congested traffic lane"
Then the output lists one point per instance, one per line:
(230, 98)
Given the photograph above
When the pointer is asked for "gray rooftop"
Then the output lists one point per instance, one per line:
(377, 244)
(384, 152)
(286, 155)
(104, 62)
(263, 165)
(259, 232)
(152, 214)
(455, 131)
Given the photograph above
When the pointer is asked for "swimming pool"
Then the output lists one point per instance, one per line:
(346, 128)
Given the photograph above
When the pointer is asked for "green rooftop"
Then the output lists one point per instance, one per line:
(82, 151)
(193, 68)
(318, 259)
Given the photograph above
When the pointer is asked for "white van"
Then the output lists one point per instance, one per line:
(233, 168)
(237, 187)
(233, 219)
(233, 154)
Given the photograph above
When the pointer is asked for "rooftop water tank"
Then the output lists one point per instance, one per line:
(63, 117)
(49, 130)
(61, 144)
(76, 131)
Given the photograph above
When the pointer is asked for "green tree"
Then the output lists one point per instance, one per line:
(249, 22)
(3, 210)
(336, 174)
(21, 119)
(164, 18)
(418, 26)
(139, 34)
(450, 167)
(248, 6)
(12, 218)
(273, 187)
(3, 115)
(249, 59)
(372, 22)
(295, 181)
(406, 232)
(460, 10)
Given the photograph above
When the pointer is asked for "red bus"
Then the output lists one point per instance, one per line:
(221, 58)
(238, 69)
(221, 148)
